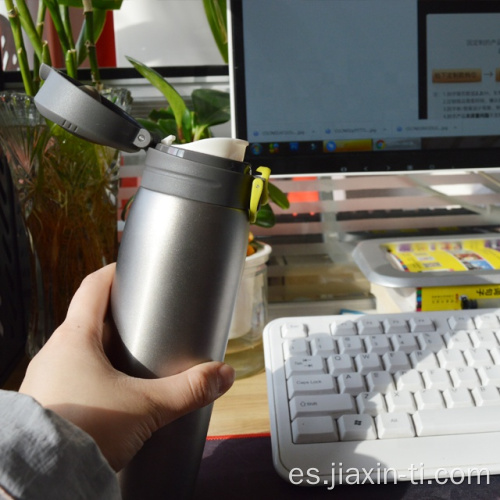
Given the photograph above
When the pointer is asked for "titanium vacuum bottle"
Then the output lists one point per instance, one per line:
(178, 269)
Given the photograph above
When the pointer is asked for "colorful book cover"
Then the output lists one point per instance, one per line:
(429, 256)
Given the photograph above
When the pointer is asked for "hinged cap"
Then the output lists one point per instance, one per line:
(81, 110)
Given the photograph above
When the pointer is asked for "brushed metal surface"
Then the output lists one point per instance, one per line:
(177, 277)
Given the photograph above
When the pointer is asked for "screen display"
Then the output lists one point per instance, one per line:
(324, 86)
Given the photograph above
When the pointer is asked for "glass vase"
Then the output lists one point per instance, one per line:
(244, 349)
(67, 190)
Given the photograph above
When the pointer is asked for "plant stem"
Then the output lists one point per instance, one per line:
(69, 52)
(29, 27)
(90, 42)
(22, 58)
(68, 30)
(40, 20)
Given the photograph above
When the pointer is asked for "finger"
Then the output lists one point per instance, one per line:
(190, 390)
(90, 303)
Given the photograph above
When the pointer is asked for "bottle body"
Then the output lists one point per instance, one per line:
(178, 269)
(177, 276)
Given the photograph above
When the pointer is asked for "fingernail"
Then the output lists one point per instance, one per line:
(226, 378)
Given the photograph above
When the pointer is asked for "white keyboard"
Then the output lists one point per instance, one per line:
(411, 396)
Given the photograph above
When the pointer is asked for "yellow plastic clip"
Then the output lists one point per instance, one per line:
(259, 195)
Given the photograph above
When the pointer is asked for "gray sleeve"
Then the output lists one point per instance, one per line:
(44, 456)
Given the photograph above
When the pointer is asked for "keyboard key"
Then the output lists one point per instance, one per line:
(394, 425)
(395, 325)
(311, 365)
(396, 361)
(487, 322)
(346, 327)
(457, 340)
(457, 397)
(350, 345)
(405, 342)
(296, 347)
(368, 362)
(371, 403)
(437, 379)
(377, 343)
(429, 399)
(320, 429)
(449, 358)
(477, 357)
(457, 421)
(489, 375)
(310, 384)
(431, 342)
(409, 380)
(293, 330)
(322, 345)
(461, 322)
(369, 326)
(356, 428)
(422, 324)
(400, 401)
(488, 340)
(423, 360)
(351, 383)
(339, 363)
(331, 404)
(465, 376)
(486, 395)
(380, 381)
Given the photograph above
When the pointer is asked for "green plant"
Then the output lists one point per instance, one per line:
(215, 11)
(209, 107)
(75, 49)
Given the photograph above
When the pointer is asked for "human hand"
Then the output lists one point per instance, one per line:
(72, 376)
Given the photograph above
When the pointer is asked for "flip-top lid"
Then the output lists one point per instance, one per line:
(81, 110)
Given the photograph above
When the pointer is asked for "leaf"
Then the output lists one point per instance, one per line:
(175, 100)
(96, 4)
(215, 11)
(167, 127)
(161, 114)
(211, 106)
(277, 196)
(187, 126)
(265, 217)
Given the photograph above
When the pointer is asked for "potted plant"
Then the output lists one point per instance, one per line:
(66, 187)
(211, 107)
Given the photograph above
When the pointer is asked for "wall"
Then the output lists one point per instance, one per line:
(164, 33)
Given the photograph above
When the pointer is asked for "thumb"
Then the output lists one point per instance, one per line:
(174, 396)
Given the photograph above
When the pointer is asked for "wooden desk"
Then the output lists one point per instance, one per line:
(243, 409)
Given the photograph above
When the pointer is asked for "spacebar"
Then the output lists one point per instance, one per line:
(457, 421)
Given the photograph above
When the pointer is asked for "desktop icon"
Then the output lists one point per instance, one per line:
(274, 148)
(256, 149)
(294, 147)
(330, 146)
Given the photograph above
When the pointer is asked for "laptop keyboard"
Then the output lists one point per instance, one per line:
(411, 394)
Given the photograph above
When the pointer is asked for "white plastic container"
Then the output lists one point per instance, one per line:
(432, 273)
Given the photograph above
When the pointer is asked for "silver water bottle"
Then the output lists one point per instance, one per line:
(178, 269)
